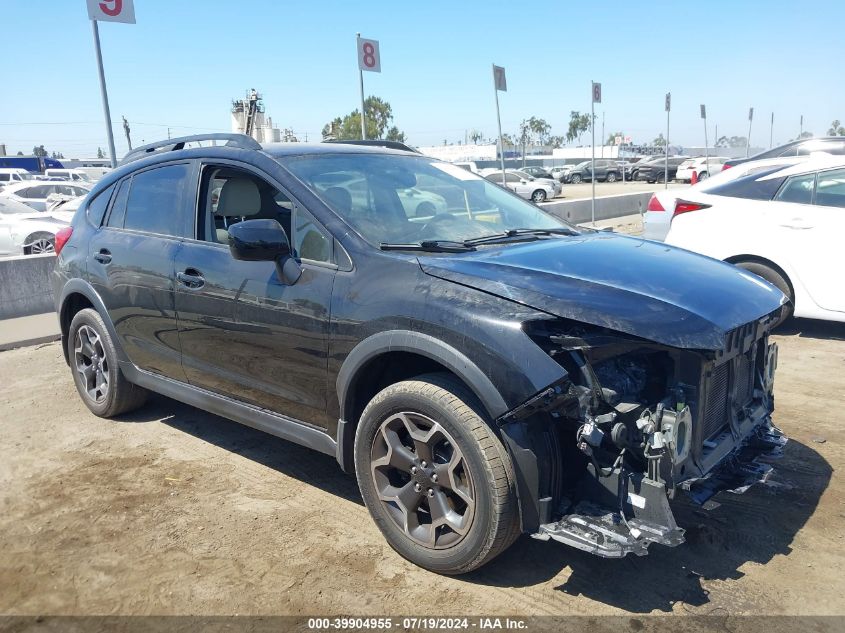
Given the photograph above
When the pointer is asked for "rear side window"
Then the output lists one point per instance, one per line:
(750, 187)
(798, 189)
(97, 207)
(156, 200)
(118, 208)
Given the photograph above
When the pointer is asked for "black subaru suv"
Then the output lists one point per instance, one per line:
(483, 368)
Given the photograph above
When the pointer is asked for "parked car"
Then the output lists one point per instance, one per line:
(833, 145)
(654, 170)
(538, 172)
(35, 194)
(24, 231)
(664, 203)
(606, 170)
(784, 224)
(699, 168)
(556, 186)
(484, 372)
(561, 173)
(77, 175)
(12, 175)
(522, 185)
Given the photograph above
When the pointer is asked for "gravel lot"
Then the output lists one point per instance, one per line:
(174, 511)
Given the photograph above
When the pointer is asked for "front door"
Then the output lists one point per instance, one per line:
(245, 333)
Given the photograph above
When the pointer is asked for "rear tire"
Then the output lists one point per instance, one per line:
(477, 511)
(96, 372)
(703, 176)
(777, 280)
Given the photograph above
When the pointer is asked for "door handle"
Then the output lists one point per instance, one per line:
(104, 256)
(797, 223)
(191, 278)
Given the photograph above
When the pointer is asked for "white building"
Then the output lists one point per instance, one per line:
(248, 117)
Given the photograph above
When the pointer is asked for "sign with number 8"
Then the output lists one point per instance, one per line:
(112, 10)
(368, 55)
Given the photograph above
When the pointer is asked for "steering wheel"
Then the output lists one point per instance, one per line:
(441, 217)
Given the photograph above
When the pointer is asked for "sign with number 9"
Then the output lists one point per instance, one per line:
(112, 10)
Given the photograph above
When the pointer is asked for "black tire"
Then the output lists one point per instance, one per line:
(661, 177)
(40, 243)
(776, 279)
(538, 196)
(703, 176)
(611, 176)
(494, 522)
(119, 395)
(575, 179)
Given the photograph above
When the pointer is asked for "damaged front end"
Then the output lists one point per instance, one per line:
(600, 453)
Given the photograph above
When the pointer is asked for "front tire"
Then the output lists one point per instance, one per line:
(96, 372)
(611, 177)
(538, 196)
(434, 476)
(575, 179)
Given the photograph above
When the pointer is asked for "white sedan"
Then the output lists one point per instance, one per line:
(24, 231)
(665, 204)
(35, 193)
(782, 224)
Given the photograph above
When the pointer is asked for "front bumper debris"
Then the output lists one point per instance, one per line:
(599, 524)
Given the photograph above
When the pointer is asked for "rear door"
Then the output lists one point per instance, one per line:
(131, 262)
(245, 333)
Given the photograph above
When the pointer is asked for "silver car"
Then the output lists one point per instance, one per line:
(24, 231)
(554, 183)
(522, 185)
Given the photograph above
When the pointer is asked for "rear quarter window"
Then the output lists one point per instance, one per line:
(750, 187)
(97, 207)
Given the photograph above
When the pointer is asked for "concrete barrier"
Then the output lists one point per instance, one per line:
(25, 285)
(608, 207)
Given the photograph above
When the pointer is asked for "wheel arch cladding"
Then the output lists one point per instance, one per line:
(78, 295)
(404, 354)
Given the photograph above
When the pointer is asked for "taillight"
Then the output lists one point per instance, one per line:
(62, 236)
(683, 206)
(654, 204)
(726, 166)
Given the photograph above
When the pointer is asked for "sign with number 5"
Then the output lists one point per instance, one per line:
(112, 10)
(368, 55)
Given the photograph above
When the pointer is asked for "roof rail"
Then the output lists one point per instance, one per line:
(173, 144)
(375, 143)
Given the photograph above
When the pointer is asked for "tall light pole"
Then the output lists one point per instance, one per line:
(748, 138)
(104, 93)
(596, 98)
(706, 149)
(666, 165)
(772, 131)
(500, 82)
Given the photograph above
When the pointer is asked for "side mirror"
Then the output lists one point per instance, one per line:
(523, 181)
(264, 240)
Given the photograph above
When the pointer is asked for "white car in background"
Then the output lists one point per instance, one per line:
(76, 175)
(523, 185)
(782, 224)
(700, 168)
(24, 231)
(665, 204)
(13, 175)
(35, 193)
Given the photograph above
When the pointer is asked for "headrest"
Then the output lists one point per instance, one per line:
(238, 197)
(340, 198)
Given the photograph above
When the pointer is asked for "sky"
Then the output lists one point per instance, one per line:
(184, 61)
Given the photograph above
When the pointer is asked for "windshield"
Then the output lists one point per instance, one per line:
(408, 199)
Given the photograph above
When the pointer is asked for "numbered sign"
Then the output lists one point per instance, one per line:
(499, 78)
(596, 92)
(750, 114)
(668, 101)
(368, 55)
(112, 10)
(703, 112)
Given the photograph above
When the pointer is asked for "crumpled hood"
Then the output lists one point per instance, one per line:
(647, 289)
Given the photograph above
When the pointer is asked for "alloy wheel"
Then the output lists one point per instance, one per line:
(422, 479)
(41, 246)
(91, 363)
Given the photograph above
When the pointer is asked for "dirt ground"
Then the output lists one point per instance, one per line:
(174, 511)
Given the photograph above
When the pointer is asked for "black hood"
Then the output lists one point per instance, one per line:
(647, 289)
